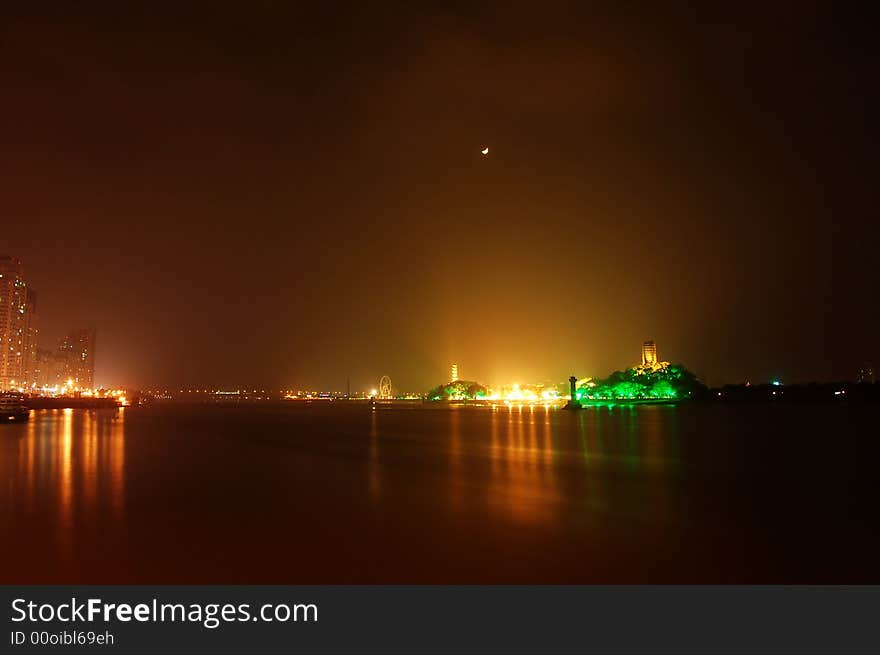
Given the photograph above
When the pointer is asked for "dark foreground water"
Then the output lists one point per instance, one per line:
(339, 494)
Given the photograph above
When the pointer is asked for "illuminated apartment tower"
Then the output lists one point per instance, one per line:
(18, 326)
(50, 368)
(453, 373)
(649, 354)
(29, 342)
(78, 351)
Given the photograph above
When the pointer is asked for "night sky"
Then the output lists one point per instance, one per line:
(264, 193)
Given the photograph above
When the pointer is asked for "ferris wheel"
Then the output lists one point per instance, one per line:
(385, 387)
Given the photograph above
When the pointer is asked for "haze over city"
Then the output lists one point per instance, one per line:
(289, 197)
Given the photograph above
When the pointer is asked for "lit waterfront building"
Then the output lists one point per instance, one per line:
(77, 350)
(18, 327)
(29, 343)
(453, 373)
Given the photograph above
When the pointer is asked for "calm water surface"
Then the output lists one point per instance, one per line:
(339, 494)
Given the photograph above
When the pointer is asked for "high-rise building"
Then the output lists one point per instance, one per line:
(78, 351)
(18, 326)
(50, 368)
(453, 373)
(29, 343)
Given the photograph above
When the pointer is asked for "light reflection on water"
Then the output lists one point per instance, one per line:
(533, 465)
(68, 466)
(375, 483)
(510, 493)
(522, 484)
(514, 467)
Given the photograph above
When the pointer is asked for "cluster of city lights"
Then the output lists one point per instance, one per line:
(319, 395)
(514, 394)
(69, 389)
(354, 395)
(268, 394)
(525, 394)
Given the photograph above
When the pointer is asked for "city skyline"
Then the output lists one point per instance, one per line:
(25, 362)
(72, 364)
(254, 205)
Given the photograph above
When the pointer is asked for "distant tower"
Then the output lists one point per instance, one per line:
(649, 354)
(453, 374)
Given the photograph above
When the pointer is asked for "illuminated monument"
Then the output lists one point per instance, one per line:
(652, 381)
(453, 373)
(650, 361)
(574, 402)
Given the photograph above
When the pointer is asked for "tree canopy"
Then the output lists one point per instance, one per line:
(458, 390)
(672, 382)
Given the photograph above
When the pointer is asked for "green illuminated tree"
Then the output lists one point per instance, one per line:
(663, 389)
(628, 389)
(458, 390)
(669, 382)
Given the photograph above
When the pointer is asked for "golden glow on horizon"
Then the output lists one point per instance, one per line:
(517, 394)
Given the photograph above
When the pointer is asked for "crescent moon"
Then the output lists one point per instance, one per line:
(485, 150)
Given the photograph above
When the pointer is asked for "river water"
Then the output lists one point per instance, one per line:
(335, 493)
